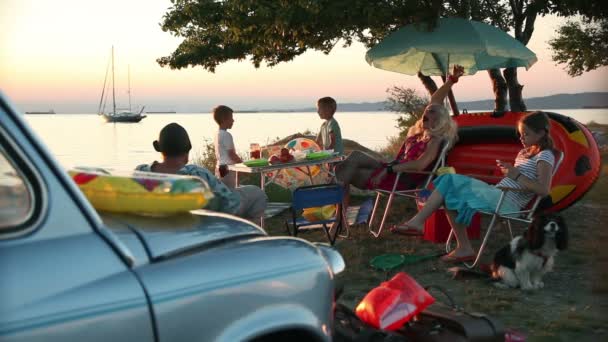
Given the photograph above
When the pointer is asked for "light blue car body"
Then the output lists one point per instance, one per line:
(69, 274)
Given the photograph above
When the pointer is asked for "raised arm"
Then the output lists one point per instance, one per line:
(439, 95)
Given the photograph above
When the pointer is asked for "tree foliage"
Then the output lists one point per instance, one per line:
(275, 31)
(408, 103)
(582, 47)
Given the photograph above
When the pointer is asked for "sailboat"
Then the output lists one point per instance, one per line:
(123, 115)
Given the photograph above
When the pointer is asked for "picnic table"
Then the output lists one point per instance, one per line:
(302, 165)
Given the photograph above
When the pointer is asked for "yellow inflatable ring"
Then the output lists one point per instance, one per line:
(141, 192)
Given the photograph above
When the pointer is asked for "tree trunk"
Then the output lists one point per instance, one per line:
(516, 102)
(428, 83)
(500, 90)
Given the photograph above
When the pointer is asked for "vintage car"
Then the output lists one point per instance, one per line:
(71, 274)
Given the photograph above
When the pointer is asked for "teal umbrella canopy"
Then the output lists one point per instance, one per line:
(474, 45)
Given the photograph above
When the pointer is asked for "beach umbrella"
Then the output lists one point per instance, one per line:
(471, 44)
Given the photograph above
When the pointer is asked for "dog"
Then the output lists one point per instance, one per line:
(523, 262)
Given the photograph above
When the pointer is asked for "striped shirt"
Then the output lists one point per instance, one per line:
(527, 167)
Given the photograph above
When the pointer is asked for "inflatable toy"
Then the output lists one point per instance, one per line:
(486, 137)
(297, 176)
(314, 214)
(141, 192)
(302, 144)
(394, 302)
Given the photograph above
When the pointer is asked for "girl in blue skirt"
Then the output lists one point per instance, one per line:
(463, 196)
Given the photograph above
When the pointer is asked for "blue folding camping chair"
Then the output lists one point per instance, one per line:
(316, 196)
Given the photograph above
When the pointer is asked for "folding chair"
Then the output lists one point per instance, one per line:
(412, 193)
(525, 215)
(316, 196)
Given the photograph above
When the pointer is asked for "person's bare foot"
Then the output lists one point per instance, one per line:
(459, 255)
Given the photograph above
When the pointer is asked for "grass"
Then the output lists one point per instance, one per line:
(573, 304)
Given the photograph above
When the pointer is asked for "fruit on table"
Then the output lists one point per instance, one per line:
(274, 159)
(285, 156)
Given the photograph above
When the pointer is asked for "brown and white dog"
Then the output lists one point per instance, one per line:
(524, 261)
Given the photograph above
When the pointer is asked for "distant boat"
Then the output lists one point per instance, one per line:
(50, 111)
(123, 115)
(162, 112)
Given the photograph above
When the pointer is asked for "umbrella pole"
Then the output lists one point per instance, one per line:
(451, 99)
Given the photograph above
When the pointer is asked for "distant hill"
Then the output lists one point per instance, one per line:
(557, 101)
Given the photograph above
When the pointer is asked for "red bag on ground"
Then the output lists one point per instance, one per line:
(393, 303)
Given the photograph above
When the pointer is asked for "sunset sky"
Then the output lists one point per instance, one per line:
(54, 55)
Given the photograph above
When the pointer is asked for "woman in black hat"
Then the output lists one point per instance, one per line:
(173, 143)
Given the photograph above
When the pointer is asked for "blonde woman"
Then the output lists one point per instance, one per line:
(420, 148)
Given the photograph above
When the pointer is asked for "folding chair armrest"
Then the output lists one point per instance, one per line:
(507, 188)
(478, 175)
(422, 172)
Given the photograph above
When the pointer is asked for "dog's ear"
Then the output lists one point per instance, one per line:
(561, 237)
(536, 232)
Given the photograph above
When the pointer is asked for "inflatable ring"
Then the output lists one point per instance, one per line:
(485, 137)
(298, 176)
(141, 192)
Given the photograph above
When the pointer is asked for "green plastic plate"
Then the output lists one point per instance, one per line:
(256, 162)
(387, 262)
(318, 155)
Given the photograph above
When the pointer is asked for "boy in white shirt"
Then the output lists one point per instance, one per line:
(225, 152)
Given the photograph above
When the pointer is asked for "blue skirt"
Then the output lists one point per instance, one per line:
(468, 195)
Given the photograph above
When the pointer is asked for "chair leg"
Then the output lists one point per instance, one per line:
(332, 240)
(371, 218)
(295, 226)
(341, 227)
(386, 210)
(483, 243)
(287, 228)
(448, 243)
(327, 233)
(510, 229)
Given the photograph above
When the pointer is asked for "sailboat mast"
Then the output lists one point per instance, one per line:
(113, 94)
(129, 82)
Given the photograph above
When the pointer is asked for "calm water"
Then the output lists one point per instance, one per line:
(86, 140)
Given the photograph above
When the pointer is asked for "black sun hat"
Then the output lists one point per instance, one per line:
(173, 140)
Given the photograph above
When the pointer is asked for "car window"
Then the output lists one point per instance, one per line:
(16, 201)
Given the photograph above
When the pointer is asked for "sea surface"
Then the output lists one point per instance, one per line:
(86, 140)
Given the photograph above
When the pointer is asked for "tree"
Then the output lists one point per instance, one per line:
(407, 102)
(582, 47)
(275, 31)
(524, 14)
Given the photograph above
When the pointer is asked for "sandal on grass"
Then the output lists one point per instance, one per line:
(404, 229)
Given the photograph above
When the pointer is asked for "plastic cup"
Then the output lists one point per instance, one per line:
(255, 151)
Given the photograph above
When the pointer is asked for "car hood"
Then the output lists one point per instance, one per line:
(165, 236)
